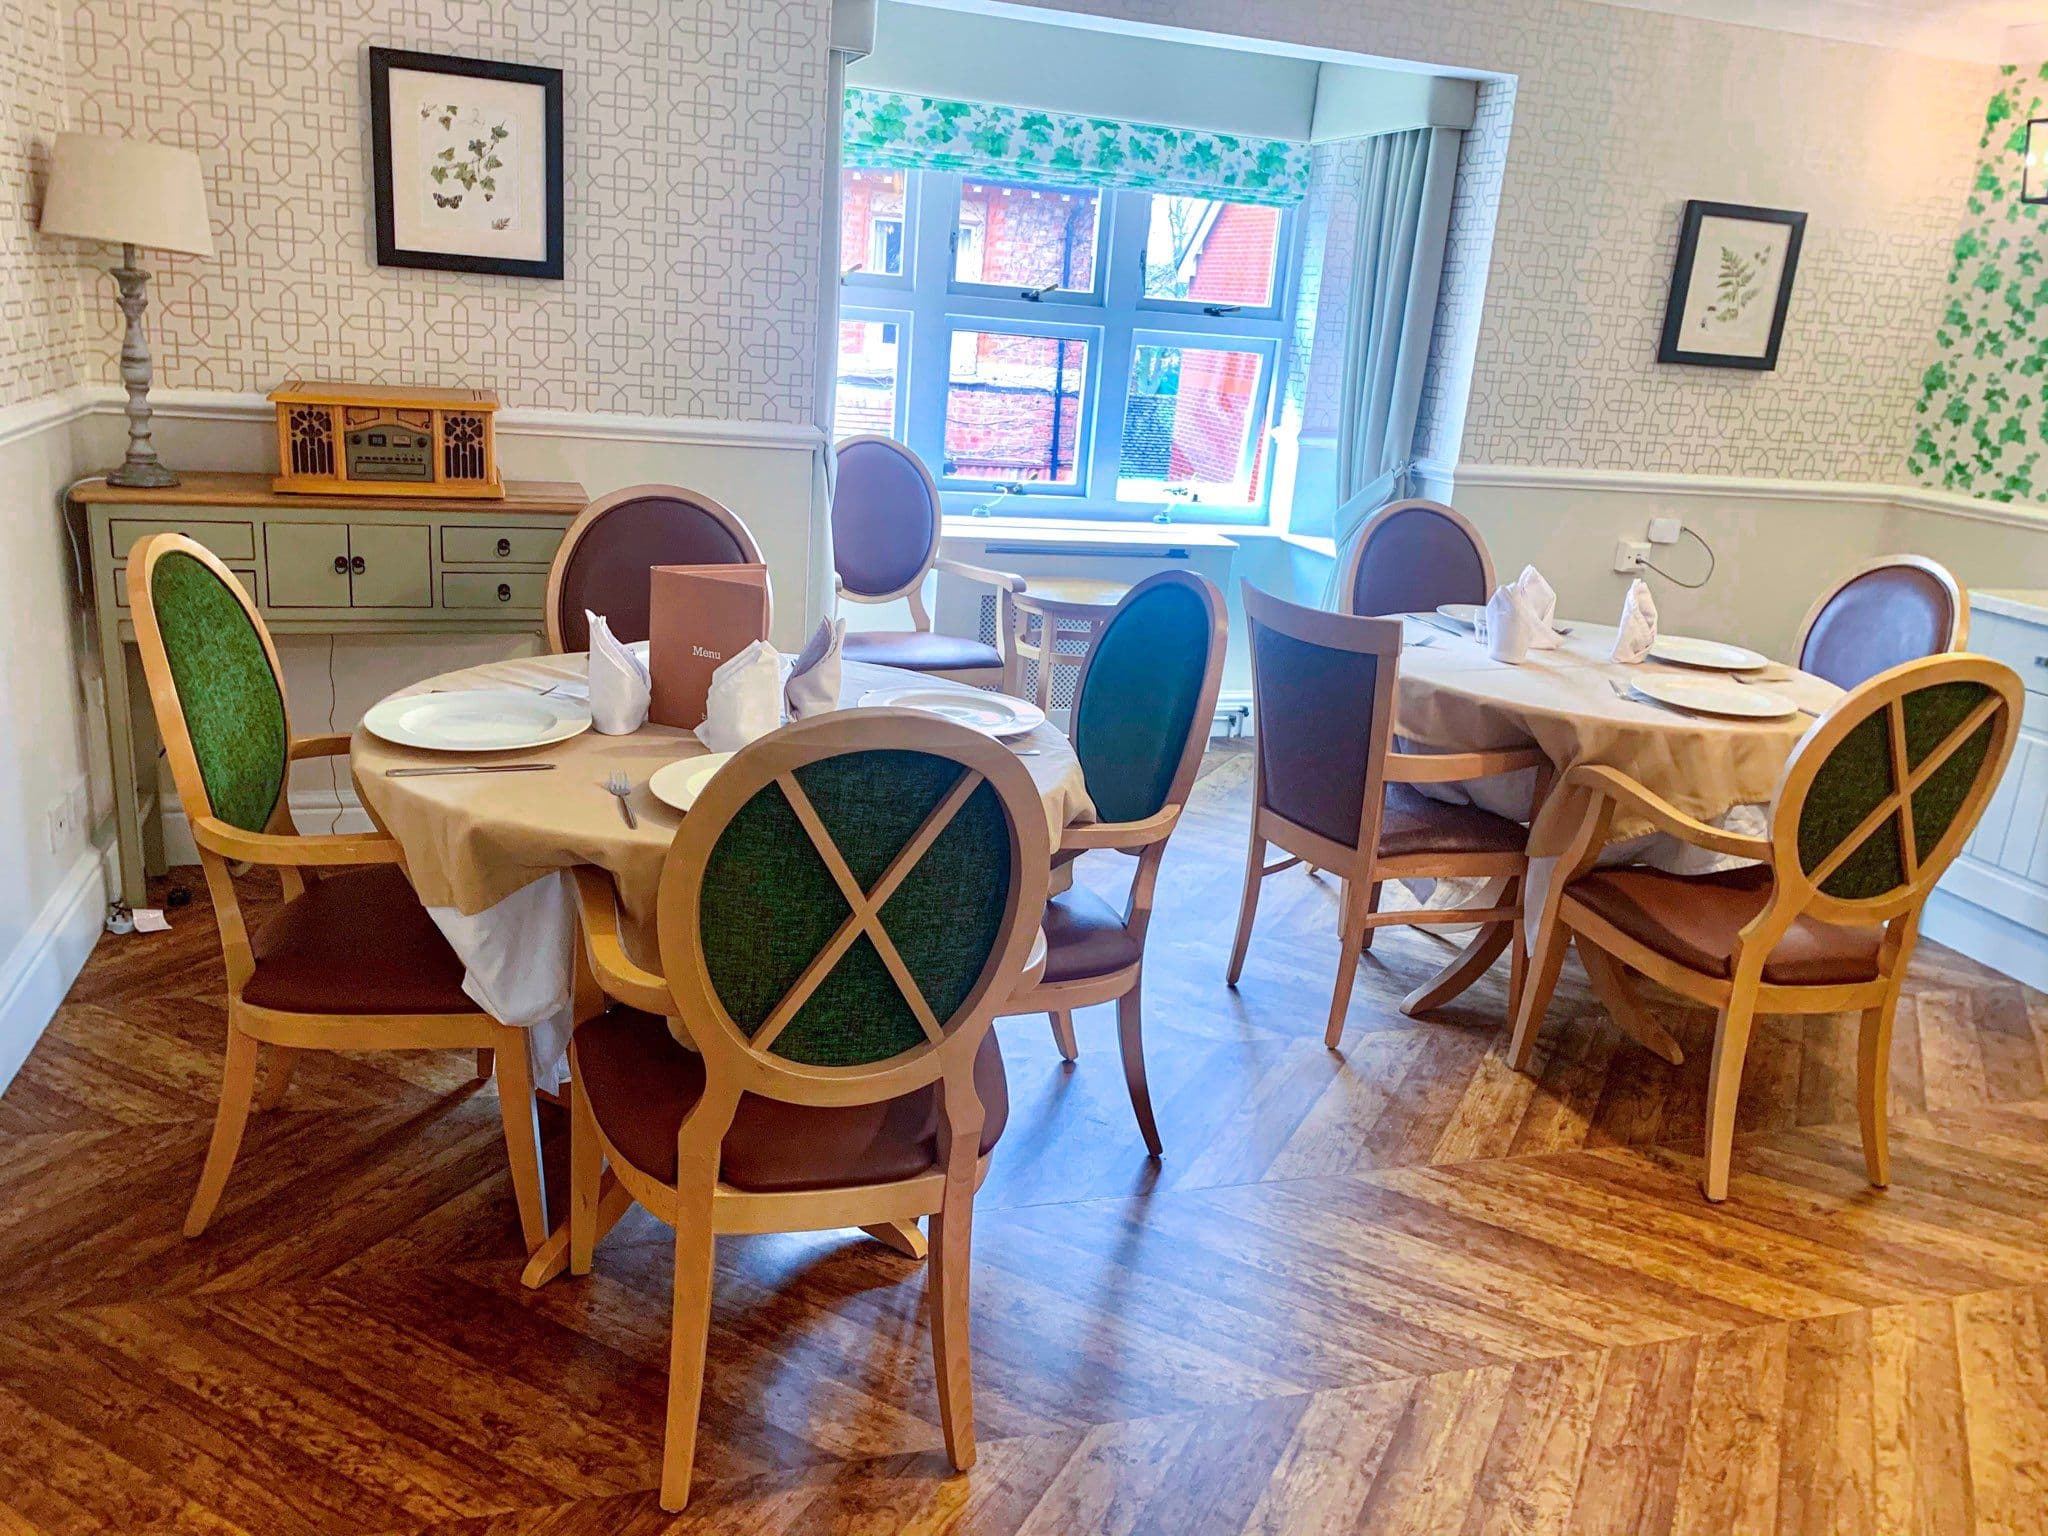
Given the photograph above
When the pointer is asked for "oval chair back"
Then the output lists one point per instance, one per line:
(885, 523)
(604, 558)
(1413, 556)
(1890, 611)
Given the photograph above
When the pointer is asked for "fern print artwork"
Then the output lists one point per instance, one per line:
(1731, 285)
(1738, 283)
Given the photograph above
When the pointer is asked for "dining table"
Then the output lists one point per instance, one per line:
(490, 853)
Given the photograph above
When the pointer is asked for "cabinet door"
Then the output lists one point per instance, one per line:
(306, 564)
(391, 566)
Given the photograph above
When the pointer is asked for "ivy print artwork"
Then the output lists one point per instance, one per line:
(1981, 423)
(468, 165)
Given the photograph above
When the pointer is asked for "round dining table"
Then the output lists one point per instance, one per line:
(488, 852)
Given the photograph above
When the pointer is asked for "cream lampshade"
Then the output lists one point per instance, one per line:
(129, 192)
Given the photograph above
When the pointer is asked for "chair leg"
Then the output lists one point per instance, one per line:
(1063, 1033)
(522, 1136)
(1724, 1086)
(483, 1063)
(1538, 982)
(1372, 904)
(1350, 945)
(278, 1080)
(1247, 907)
(1873, 1088)
(952, 1230)
(237, 1088)
(1130, 1035)
(586, 1174)
(1466, 967)
(689, 1340)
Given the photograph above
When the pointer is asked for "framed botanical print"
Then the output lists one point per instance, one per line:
(467, 159)
(1732, 285)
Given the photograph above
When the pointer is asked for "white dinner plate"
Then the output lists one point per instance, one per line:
(477, 720)
(681, 782)
(1716, 696)
(1709, 655)
(993, 714)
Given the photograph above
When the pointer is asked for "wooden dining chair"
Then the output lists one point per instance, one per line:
(1330, 791)
(841, 916)
(1892, 610)
(1874, 803)
(1413, 556)
(1144, 705)
(886, 527)
(602, 562)
(351, 961)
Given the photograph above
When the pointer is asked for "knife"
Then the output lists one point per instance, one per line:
(417, 773)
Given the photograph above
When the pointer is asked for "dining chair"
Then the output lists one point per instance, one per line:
(1144, 705)
(1875, 801)
(602, 562)
(1413, 556)
(886, 527)
(351, 961)
(1330, 791)
(839, 919)
(1892, 610)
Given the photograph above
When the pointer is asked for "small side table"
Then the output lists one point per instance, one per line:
(1058, 619)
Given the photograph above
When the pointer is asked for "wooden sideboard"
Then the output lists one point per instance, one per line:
(353, 565)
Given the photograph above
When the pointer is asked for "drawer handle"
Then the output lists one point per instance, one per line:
(504, 591)
(504, 548)
(2041, 661)
(341, 565)
(357, 566)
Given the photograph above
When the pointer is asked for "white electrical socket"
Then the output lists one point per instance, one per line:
(1665, 530)
(1629, 554)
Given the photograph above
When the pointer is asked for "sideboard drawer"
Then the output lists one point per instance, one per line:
(517, 590)
(231, 541)
(462, 545)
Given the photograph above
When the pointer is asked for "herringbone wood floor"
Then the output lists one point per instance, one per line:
(1400, 1289)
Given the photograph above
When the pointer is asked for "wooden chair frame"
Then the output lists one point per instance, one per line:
(1795, 893)
(1146, 842)
(1958, 596)
(1374, 525)
(282, 846)
(604, 1186)
(578, 530)
(1361, 867)
(1006, 585)
(1057, 618)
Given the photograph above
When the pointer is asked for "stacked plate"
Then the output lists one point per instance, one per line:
(1706, 693)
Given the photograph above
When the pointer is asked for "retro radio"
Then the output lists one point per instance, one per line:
(369, 440)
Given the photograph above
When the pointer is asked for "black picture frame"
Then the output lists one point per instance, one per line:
(389, 252)
(1671, 349)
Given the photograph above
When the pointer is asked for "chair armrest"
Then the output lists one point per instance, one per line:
(1001, 580)
(1127, 835)
(334, 745)
(1449, 767)
(268, 848)
(617, 975)
(1613, 784)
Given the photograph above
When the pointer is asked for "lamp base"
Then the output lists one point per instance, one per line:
(141, 469)
(153, 477)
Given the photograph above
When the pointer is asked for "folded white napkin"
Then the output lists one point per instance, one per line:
(1539, 601)
(1638, 631)
(1509, 629)
(619, 682)
(813, 686)
(745, 702)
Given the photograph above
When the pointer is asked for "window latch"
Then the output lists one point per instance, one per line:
(1036, 295)
(1218, 311)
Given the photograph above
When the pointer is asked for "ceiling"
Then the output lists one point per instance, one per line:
(1983, 30)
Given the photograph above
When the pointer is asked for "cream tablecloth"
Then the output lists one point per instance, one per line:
(487, 852)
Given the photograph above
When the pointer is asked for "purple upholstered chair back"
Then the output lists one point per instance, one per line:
(1896, 611)
(1413, 556)
(885, 519)
(604, 558)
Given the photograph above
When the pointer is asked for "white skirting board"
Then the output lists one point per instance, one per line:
(39, 972)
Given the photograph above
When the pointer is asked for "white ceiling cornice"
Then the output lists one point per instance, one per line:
(1979, 31)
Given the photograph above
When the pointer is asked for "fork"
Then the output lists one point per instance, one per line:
(1621, 691)
(618, 784)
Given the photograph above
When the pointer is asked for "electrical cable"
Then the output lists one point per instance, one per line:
(1691, 586)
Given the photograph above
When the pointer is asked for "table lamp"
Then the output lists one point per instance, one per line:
(128, 192)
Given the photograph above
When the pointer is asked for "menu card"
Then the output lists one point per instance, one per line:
(698, 616)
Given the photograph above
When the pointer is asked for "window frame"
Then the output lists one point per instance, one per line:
(904, 320)
(1268, 352)
(892, 282)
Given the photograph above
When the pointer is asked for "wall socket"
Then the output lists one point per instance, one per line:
(1629, 555)
(65, 821)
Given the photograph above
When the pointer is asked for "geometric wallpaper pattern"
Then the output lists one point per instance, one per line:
(39, 341)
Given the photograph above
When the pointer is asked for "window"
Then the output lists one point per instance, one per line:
(1073, 351)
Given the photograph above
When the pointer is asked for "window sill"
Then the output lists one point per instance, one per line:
(1067, 533)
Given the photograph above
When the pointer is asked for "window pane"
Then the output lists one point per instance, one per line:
(1013, 407)
(866, 398)
(1017, 236)
(871, 223)
(1187, 426)
(1209, 252)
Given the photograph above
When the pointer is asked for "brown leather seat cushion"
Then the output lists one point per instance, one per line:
(642, 1081)
(1695, 919)
(356, 942)
(1414, 823)
(1085, 937)
(918, 651)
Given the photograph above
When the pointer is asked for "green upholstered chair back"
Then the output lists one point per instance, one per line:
(846, 890)
(1147, 694)
(227, 691)
(1885, 789)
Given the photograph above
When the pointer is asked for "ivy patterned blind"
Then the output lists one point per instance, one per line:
(889, 130)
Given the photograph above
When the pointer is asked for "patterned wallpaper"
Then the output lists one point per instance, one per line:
(39, 338)
(694, 135)
(1981, 423)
